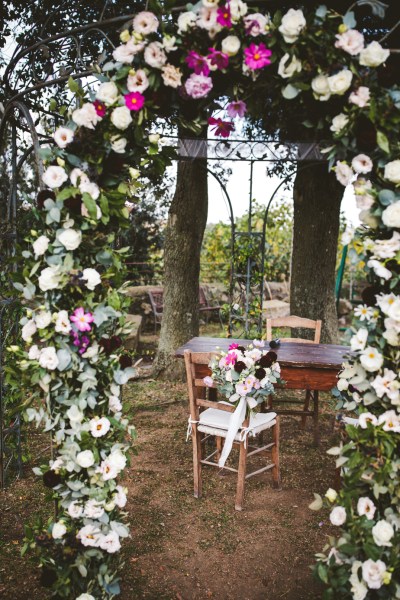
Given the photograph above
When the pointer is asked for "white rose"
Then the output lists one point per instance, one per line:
(87, 187)
(118, 144)
(340, 82)
(372, 573)
(59, 530)
(86, 116)
(331, 495)
(382, 533)
(49, 279)
(371, 359)
(338, 516)
(114, 404)
(34, 353)
(85, 459)
(117, 460)
(70, 238)
(138, 82)
(77, 175)
(320, 87)
(391, 215)
(48, 358)
(54, 176)
(121, 117)
(28, 330)
(287, 68)
(339, 122)
(62, 324)
(75, 510)
(255, 24)
(351, 41)
(344, 173)
(378, 268)
(93, 509)
(63, 136)
(123, 54)
(360, 97)
(92, 277)
(155, 56)
(373, 55)
(230, 45)
(392, 171)
(40, 245)
(107, 93)
(120, 497)
(186, 21)
(145, 23)
(238, 9)
(43, 319)
(172, 76)
(110, 542)
(365, 507)
(86, 597)
(362, 163)
(293, 23)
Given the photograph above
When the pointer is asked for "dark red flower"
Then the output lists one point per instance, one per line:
(260, 373)
(125, 361)
(239, 366)
(220, 127)
(74, 204)
(100, 108)
(368, 295)
(44, 195)
(51, 478)
(197, 63)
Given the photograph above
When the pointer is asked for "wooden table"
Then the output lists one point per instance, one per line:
(311, 367)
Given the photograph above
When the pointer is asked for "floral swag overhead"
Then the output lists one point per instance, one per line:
(248, 63)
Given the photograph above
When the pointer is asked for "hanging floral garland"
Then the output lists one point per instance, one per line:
(72, 276)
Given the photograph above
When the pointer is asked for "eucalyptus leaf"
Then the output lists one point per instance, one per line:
(349, 20)
(290, 91)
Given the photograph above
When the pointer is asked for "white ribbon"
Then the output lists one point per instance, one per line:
(235, 424)
(190, 428)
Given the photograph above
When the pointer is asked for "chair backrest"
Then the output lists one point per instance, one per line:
(157, 300)
(197, 368)
(293, 322)
(203, 302)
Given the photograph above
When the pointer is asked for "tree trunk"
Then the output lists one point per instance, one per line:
(317, 198)
(184, 236)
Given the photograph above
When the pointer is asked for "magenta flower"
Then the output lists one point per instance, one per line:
(134, 100)
(197, 63)
(233, 346)
(257, 57)
(237, 108)
(218, 58)
(100, 108)
(230, 358)
(84, 344)
(82, 320)
(220, 127)
(224, 16)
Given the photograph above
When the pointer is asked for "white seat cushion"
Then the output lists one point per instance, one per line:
(216, 422)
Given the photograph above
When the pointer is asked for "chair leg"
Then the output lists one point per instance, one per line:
(218, 441)
(306, 407)
(276, 471)
(316, 419)
(196, 439)
(241, 477)
(270, 402)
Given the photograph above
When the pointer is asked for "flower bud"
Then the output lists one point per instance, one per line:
(331, 495)
(342, 28)
(125, 36)
(60, 162)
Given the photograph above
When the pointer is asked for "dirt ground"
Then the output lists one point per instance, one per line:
(182, 548)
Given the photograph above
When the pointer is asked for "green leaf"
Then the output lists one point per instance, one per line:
(383, 142)
(90, 205)
(66, 193)
(73, 85)
(386, 197)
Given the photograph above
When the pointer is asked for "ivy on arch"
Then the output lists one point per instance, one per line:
(314, 65)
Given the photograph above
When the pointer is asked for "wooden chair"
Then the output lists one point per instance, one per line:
(299, 322)
(211, 419)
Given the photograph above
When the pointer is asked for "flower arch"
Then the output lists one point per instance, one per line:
(181, 69)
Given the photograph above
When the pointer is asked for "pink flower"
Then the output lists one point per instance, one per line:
(242, 389)
(100, 108)
(220, 127)
(197, 63)
(224, 16)
(257, 57)
(208, 381)
(134, 100)
(218, 58)
(233, 346)
(81, 319)
(230, 358)
(237, 108)
(198, 86)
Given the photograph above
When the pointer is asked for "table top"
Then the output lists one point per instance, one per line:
(290, 354)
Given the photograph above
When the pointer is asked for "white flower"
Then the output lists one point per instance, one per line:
(358, 341)
(74, 414)
(70, 238)
(85, 459)
(390, 421)
(117, 460)
(360, 97)
(365, 506)
(137, 82)
(392, 171)
(386, 248)
(382, 533)
(120, 498)
(92, 351)
(287, 68)
(238, 9)
(145, 23)
(40, 245)
(107, 470)
(78, 175)
(154, 138)
(207, 20)
(394, 310)
(114, 404)
(93, 509)
(342, 384)
(75, 510)
(87, 187)
(230, 45)
(49, 278)
(123, 54)
(364, 312)
(373, 55)
(379, 269)
(338, 516)
(28, 330)
(62, 324)
(320, 87)
(172, 76)
(255, 24)
(34, 353)
(89, 535)
(86, 116)
(59, 530)
(385, 301)
(110, 542)
(121, 117)
(99, 426)
(26, 205)
(351, 41)
(43, 319)
(391, 215)
(63, 136)
(331, 495)
(372, 573)
(186, 21)
(118, 144)
(371, 359)
(154, 55)
(48, 358)
(86, 597)
(169, 43)
(340, 82)
(344, 173)
(92, 278)
(391, 334)
(362, 163)
(54, 176)
(339, 122)
(293, 23)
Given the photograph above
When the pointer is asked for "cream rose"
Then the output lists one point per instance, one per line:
(391, 215)
(86, 116)
(77, 175)
(123, 54)
(88, 187)
(340, 82)
(118, 144)
(85, 459)
(382, 533)
(320, 87)
(255, 24)
(292, 24)
(40, 245)
(70, 238)
(230, 45)
(59, 530)
(49, 279)
(63, 136)
(92, 278)
(392, 171)
(288, 66)
(339, 122)
(54, 176)
(28, 330)
(48, 358)
(155, 56)
(373, 55)
(344, 173)
(43, 319)
(107, 93)
(172, 76)
(338, 516)
(186, 21)
(360, 97)
(121, 117)
(372, 573)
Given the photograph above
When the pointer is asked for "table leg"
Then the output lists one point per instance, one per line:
(316, 418)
